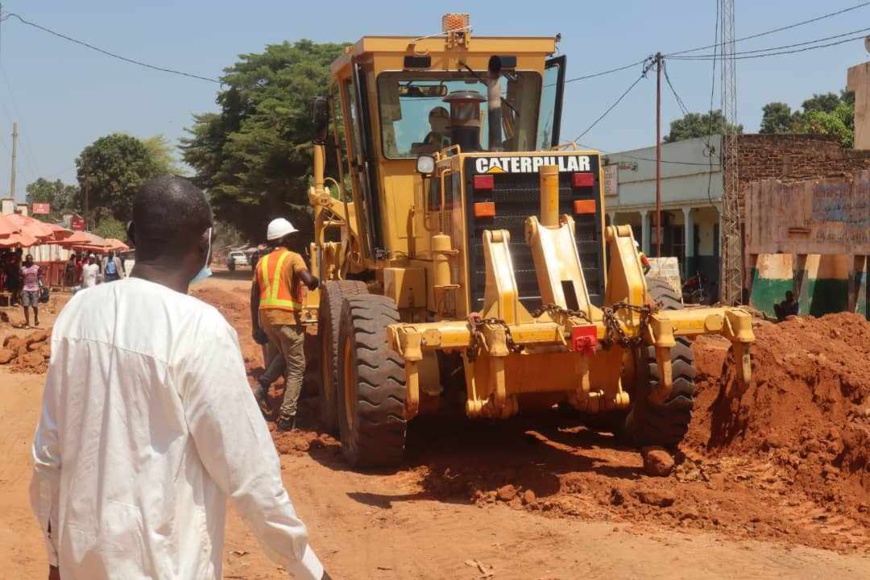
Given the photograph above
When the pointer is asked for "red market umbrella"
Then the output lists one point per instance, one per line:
(32, 227)
(7, 227)
(84, 240)
(116, 245)
(16, 239)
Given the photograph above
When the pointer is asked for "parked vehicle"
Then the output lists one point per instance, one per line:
(236, 259)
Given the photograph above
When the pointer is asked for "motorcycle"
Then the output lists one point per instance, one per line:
(695, 290)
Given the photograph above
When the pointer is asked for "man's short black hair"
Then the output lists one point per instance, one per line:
(170, 214)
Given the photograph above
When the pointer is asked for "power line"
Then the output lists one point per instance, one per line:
(111, 54)
(775, 30)
(636, 158)
(750, 37)
(606, 72)
(770, 51)
(616, 102)
(674, 91)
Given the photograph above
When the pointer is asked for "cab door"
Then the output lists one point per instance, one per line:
(550, 114)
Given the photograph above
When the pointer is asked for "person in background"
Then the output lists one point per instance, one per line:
(90, 273)
(69, 274)
(786, 308)
(144, 436)
(30, 275)
(276, 303)
(112, 268)
(13, 276)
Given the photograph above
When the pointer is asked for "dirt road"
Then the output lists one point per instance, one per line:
(534, 499)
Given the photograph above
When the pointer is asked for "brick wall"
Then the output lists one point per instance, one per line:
(796, 157)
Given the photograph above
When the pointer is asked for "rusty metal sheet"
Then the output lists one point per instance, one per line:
(823, 216)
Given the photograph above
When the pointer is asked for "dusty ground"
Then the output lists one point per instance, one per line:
(544, 499)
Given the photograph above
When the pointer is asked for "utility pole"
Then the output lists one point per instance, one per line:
(14, 161)
(658, 61)
(730, 230)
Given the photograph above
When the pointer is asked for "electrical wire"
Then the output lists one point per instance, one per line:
(636, 158)
(750, 37)
(111, 54)
(679, 100)
(763, 51)
(606, 72)
(775, 30)
(617, 101)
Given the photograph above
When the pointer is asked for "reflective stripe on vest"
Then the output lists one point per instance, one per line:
(273, 292)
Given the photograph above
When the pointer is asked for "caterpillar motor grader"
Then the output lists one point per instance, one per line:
(465, 258)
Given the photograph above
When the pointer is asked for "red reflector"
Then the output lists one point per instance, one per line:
(484, 183)
(484, 209)
(584, 206)
(583, 180)
(584, 339)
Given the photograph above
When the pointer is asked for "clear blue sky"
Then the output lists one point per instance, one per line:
(64, 96)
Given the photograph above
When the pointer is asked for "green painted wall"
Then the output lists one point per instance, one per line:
(819, 297)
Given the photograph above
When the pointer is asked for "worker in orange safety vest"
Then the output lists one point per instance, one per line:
(276, 305)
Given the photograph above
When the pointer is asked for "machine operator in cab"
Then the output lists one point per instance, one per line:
(276, 303)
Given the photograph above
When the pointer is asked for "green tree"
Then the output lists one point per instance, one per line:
(60, 195)
(777, 118)
(112, 169)
(163, 154)
(109, 227)
(825, 103)
(254, 156)
(823, 114)
(839, 122)
(694, 125)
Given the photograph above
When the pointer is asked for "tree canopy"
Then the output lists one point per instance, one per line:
(111, 170)
(60, 195)
(694, 125)
(823, 114)
(163, 154)
(109, 227)
(254, 155)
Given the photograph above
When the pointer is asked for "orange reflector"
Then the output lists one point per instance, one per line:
(584, 206)
(484, 209)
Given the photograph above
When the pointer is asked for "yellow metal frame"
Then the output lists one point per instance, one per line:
(591, 380)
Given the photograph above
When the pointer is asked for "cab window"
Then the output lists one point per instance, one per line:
(415, 118)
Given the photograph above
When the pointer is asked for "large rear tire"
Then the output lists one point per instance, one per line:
(372, 385)
(665, 424)
(332, 295)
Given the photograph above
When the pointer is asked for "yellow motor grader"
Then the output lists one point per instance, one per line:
(465, 257)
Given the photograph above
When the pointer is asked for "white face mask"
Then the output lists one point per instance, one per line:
(205, 272)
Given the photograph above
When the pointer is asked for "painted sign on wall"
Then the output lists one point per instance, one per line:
(828, 216)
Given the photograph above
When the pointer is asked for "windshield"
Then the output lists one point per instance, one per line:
(415, 117)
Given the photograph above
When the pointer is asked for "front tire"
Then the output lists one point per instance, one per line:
(371, 385)
(332, 295)
(665, 424)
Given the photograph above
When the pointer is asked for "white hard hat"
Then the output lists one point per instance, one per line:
(278, 228)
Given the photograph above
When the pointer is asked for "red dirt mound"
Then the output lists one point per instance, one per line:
(807, 410)
(27, 354)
